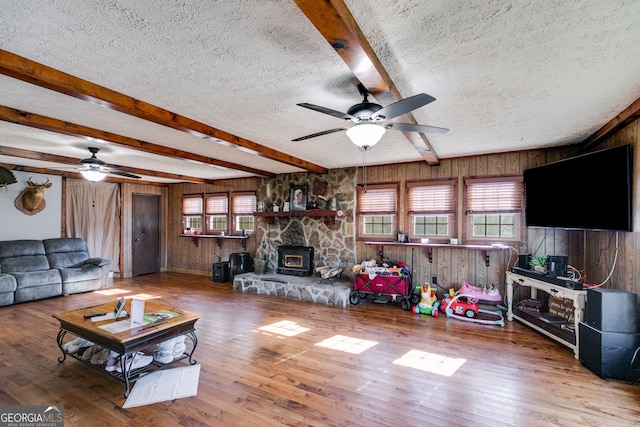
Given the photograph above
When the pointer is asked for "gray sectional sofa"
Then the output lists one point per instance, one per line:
(36, 269)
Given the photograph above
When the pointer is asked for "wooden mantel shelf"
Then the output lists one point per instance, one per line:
(315, 213)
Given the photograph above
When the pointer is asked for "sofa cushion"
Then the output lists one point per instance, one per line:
(37, 278)
(38, 292)
(66, 252)
(23, 256)
(77, 274)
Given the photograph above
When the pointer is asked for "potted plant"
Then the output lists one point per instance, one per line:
(539, 263)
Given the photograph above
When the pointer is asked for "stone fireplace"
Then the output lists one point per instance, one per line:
(295, 260)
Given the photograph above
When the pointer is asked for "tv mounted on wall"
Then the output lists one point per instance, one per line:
(588, 192)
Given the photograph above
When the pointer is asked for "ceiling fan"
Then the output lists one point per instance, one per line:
(372, 120)
(94, 169)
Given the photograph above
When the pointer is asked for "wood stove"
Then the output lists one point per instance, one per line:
(295, 260)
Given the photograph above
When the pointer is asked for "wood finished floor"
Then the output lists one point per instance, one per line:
(471, 375)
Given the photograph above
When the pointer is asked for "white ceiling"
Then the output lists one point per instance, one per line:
(507, 75)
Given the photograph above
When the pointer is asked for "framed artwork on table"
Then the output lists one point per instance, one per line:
(298, 198)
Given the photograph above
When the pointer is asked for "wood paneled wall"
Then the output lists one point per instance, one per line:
(599, 251)
(195, 256)
(456, 265)
(590, 251)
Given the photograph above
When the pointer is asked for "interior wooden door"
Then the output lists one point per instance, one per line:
(146, 234)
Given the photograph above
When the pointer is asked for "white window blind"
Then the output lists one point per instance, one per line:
(494, 195)
(192, 205)
(431, 198)
(217, 204)
(377, 200)
(244, 203)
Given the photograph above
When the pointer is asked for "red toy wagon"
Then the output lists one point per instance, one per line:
(380, 282)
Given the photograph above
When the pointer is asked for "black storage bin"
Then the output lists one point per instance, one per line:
(239, 263)
(220, 272)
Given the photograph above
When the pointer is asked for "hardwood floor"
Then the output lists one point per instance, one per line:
(363, 365)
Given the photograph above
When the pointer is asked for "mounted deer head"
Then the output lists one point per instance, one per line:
(33, 196)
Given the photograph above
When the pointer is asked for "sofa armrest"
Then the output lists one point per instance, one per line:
(100, 262)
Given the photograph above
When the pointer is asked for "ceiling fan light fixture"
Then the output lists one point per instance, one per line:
(94, 175)
(365, 134)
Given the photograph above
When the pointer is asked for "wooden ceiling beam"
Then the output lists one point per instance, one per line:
(24, 69)
(628, 115)
(25, 118)
(74, 175)
(53, 158)
(338, 26)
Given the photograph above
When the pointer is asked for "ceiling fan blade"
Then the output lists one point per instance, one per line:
(124, 173)
(403, 106)
(328, 111)
(313, 135)
(408, 127)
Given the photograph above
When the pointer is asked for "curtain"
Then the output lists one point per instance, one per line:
(93, 214)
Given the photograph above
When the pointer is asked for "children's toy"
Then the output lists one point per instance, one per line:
(386, 283)
(463, 305)
(428, 303)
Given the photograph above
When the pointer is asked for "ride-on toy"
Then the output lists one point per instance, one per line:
(428, 303)
(463, 305)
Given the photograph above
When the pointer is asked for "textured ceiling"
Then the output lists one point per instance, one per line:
(507, 75)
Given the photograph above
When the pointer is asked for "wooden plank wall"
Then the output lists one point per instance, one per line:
(590, 251)
(456, 265)
(185, 256)
(599, 248)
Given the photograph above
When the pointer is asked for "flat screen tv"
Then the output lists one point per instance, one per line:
(588, 192)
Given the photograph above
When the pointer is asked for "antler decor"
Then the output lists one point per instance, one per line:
(31, 200)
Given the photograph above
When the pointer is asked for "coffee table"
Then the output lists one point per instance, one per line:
(127, 343)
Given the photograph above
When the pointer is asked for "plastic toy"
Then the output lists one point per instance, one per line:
(428, 303)
(463, 305)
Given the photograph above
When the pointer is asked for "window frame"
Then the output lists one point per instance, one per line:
(186, 229)
(386, 209)
(208, 213)
(505, 206)
(446, 208)
(246, 209)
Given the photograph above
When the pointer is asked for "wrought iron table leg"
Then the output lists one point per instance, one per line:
(125, 372)
(59, 340)
(194, 340)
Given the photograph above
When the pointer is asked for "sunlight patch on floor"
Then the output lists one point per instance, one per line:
(113, 292)
(144, 296)
(347, 344)
(285, 327)
(430, 362)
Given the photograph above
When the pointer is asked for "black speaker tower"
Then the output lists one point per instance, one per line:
(609, 337)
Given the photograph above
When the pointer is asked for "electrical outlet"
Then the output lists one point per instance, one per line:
(434, 280)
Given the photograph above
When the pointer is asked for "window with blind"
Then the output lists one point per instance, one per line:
(431, 208)
(192, 214)
(216, 212)
(377, 207)
(243, 205)
(494, 208)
